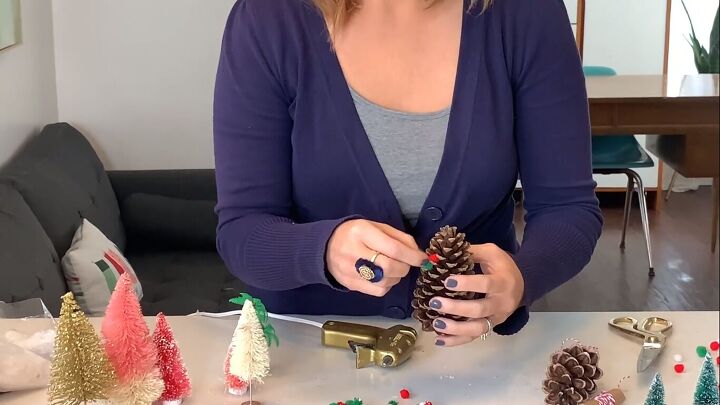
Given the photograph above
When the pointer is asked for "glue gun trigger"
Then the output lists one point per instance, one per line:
(364, 353)
(354, 346)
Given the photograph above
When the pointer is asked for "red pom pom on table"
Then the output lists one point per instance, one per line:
(404, 394)
(715, 345)
(679, 368)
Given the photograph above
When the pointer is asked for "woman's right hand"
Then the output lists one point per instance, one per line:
(360, 239)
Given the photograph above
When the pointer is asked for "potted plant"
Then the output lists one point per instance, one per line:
(706, 61)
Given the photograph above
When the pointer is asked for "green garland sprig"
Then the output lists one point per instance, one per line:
(354, 401)
(268, 329)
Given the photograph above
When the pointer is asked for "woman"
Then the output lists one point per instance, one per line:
(350, 131)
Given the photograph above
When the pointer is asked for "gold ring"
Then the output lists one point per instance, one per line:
(485, 335)
(374, 257)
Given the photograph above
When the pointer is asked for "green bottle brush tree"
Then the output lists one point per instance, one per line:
(706, 391)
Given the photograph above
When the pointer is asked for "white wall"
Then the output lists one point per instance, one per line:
(628, 36)
(27, 79)
(571, 6)
(136, 76)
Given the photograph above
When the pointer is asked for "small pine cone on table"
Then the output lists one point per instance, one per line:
(453, 258)
(571, 376)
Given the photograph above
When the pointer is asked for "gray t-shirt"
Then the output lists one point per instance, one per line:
(408, 146)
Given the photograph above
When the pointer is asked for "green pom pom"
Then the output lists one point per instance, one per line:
(701, 351)
(393, 402)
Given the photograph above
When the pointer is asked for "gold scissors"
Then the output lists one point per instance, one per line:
(653, 332)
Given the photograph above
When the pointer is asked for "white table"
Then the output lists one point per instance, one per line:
(501, 370)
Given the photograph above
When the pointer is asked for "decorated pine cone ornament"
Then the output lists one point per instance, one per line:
(449, 254)
(571, 375)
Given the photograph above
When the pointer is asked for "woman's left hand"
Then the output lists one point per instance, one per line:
(503, 286)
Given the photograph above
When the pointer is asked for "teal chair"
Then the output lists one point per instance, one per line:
(620, 154)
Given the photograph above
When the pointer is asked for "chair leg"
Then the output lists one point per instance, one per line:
(715, 208)
(645, 221)
(671, 185)
(626, 210)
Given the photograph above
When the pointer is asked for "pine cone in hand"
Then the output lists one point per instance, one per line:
(453, 258)
(571, 376)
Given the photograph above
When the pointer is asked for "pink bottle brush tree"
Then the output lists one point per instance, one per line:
(172, 367)
(130, 348)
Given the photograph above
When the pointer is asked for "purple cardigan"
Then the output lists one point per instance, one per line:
(293, 160)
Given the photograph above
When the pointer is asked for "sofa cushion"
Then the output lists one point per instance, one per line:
(63, 181)
(182, 282)
(29, 265)
(92, 267)
(154, 222)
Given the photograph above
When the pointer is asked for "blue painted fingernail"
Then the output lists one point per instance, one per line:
(435, 304)
(439, 324)
(439, 342)
(451, 283)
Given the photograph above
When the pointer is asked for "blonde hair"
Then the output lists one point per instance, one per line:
(337, 12)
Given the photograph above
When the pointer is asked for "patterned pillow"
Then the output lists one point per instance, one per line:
(92, 267)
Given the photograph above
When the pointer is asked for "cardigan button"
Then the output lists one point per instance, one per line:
(434, 213)
(395, 313)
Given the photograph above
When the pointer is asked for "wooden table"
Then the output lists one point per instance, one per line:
(654, 104)
(679, 113)
(501, 370)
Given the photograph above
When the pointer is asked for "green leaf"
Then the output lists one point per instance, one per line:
(268, 329)
(692, 28)
(700, 55)
(714, 39)
(241, 299)
(714, 62)
(714, 53)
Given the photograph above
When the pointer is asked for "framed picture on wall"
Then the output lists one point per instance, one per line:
(9, 23)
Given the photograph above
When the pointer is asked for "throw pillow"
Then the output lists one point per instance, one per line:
(92, 267)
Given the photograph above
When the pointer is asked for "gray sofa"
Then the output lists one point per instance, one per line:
(163, 221)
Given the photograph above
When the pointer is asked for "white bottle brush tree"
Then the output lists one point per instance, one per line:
(248, 358)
